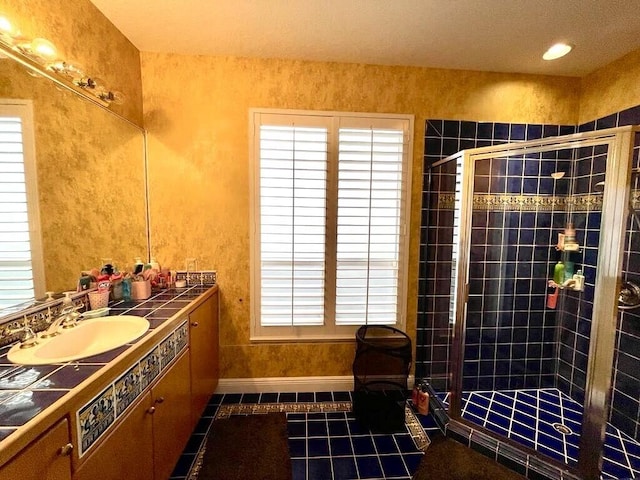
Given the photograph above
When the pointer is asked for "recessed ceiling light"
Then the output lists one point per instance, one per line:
(556, 51)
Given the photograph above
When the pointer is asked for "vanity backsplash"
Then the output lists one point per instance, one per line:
(38, 316)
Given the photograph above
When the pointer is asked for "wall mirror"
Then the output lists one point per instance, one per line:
(90, 171)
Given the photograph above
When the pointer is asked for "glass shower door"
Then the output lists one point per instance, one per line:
(531, 349)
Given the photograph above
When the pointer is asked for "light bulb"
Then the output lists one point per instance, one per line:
(557, 50)
(44, 48)
(117, 98)
(70, 69)
(5, 27)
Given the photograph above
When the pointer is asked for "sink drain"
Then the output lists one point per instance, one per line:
(562, 428)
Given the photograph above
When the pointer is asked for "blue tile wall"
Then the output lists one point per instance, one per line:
(576, 308)
(434, 332)
(443, 138)
(566, 358)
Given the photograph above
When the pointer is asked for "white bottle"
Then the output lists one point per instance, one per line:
(579, 278)
(154, 264)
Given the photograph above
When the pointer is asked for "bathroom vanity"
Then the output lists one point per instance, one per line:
(127, 413)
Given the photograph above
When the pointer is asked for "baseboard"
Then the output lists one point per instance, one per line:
(288, 384)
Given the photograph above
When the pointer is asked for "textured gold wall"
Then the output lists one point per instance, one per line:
(196, 112)
(90, 175)
(83, 34)
(612, 88)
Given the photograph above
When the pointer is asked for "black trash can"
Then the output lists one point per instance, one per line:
(380, 371)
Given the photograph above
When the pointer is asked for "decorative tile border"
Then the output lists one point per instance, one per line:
(225, 411)
(149, 367)
(578, 203)
(127, 389)
(96, 416)
(199, 277)
(518, 202)
(37, 317)
(414, 426)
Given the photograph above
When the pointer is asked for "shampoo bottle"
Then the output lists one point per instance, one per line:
(558, 273)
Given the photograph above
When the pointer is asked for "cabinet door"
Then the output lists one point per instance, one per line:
(204, 351)
(46, 458)
(127, 452)
(171, 419)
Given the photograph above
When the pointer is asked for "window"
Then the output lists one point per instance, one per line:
(330, 198)
(21, 265)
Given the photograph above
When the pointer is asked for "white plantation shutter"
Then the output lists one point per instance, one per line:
(293, 182)
(370, 186)
(330, 202)
(18, 282)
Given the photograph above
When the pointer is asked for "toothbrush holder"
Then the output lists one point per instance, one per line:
(141, 290)
(98, 299)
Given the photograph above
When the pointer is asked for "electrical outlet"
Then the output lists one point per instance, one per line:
(191, 264)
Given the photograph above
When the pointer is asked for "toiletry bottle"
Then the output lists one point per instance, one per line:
(67, 302)
(579, 278)
(423, 400)
(569, 233)
(558, 273)
(126, 289)
(568, 270)
(154, 264)
(570, 244)
(552, 298)
(138, 266)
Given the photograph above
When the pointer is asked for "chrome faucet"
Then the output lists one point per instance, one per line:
(29, 339)
(67, 319)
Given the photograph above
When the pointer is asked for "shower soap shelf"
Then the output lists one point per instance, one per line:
(566, 245)
(571, 284)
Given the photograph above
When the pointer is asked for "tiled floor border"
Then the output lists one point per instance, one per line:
(414, 426)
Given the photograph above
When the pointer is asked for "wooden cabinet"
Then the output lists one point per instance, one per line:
(147, 443)
(126, 452)
(49, 457)
(204, 351)
(171, 417)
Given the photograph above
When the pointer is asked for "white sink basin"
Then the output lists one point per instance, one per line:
(89, 337)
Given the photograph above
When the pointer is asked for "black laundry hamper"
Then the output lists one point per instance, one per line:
(380, 371)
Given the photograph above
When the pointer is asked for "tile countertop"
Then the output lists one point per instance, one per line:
(28, 390)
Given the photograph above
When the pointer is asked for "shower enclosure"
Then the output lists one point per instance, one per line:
(533, 305)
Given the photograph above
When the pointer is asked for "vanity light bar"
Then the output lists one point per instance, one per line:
(40, 56)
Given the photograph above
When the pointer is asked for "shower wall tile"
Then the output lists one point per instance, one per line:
(444, 138)
(625, 392)
(562, 353)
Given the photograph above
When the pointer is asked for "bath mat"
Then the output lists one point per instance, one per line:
(247, 447)
(446, 459)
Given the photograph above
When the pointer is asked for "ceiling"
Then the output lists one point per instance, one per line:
(486, 35)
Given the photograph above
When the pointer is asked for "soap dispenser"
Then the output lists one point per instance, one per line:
(138, 266)
(67, 301)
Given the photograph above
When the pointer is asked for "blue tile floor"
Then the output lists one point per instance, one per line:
(548, 421)
(325, 440)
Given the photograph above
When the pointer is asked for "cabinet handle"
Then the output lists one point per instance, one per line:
(66, 450)
(194, 324)
(151, 410)
(159, 400)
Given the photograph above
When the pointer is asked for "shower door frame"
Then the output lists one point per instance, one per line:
(620, 142)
